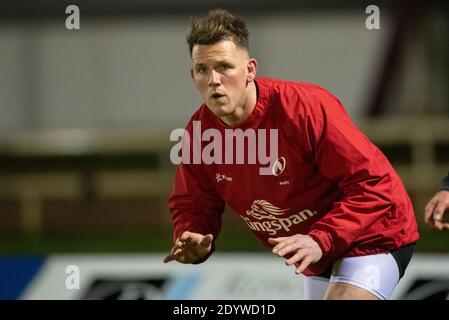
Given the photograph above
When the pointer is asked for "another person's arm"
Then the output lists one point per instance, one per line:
(436, 213)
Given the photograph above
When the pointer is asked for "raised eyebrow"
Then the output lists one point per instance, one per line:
(220, 62)
(225, 62)
(199, 65)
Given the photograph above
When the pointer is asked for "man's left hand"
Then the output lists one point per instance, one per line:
(301, 248)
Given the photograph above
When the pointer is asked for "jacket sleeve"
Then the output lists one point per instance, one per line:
(194, 203)
(346, 157)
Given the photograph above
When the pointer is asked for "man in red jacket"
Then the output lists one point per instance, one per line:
(325, 199)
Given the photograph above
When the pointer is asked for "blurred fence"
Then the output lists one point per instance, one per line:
(69, 181)
(75, 181)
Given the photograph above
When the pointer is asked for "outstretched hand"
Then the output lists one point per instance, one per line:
(302, 248)
(436, 213)
(190, 248)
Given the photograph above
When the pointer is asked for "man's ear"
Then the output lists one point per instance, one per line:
(191, 73)
(252, 69)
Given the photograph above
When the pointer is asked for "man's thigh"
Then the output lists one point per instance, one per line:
(343, 291)
(364, 277)
(377, 275)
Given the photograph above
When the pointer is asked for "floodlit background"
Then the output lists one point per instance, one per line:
(85, 119)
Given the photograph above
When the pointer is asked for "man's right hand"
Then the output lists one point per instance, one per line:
(190, 248)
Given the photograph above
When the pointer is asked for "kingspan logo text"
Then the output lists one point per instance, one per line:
(269, 217)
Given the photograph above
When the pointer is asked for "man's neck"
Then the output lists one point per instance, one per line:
(243, 112)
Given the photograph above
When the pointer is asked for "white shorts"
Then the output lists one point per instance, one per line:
(379, 274)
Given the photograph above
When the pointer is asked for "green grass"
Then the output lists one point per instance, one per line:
(140, 242)
(432, 240)
(160, 241)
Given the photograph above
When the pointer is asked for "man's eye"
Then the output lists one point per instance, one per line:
(201, 70)
(225, 67)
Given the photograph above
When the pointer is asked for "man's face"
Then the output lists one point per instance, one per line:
(221, 73)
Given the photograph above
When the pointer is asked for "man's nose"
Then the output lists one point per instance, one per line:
(214, 78)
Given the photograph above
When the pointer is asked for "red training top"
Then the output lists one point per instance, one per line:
(329, 182)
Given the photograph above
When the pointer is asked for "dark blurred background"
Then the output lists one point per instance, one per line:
(85, 115)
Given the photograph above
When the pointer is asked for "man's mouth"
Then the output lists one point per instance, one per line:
(217, 95)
